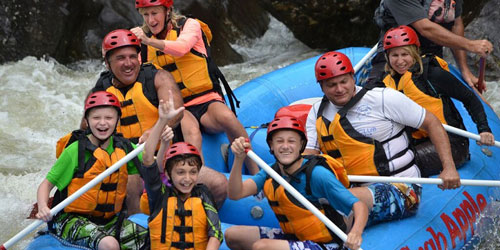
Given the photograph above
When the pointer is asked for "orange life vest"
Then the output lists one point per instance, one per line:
(360, 155)
(178, 224)
(296, 221)
(139, 103)
(104, 200)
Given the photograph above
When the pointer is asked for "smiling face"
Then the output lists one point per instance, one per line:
(340, 89)
(124, 64)
(184, 176)
(102, 121)
(286, 145)
(400, 59)
(154, 18)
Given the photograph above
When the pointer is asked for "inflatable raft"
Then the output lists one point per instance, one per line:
(445, 219)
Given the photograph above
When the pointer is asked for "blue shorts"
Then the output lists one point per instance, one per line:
(278, 234)
(393, 201)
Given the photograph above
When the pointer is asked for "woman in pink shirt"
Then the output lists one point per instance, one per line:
(180, 45)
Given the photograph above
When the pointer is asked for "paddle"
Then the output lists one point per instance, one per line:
(297, 195)
(467, 134)
(366, 57)
(414, 180)
(481, 85)
(74, 196)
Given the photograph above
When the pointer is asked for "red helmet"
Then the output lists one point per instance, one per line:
(332, 64)
(180, 148)
(119, 38)
(400, 36)
(149, 3)
(285, 122)
(299, 111)
(102, 98)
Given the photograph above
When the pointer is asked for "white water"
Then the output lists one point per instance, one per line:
(41, 100)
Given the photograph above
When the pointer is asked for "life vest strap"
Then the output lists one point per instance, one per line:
(183, 213)
(106, 187)
(273, 203)
(129, 120)
(126, 103)
(183, 245)
(183, 229)
(281, 218)
(105, 207)
(327, 138)
(334, 153)
(170, 67)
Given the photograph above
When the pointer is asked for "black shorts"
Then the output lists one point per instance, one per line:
(200, 109)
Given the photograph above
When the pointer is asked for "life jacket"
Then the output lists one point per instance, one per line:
(195, 73)
(296, 221)
(178, 224)
(69, 138)
(104, 200)
(418, 88)
(139, 102)
(438, 11)
(360, 155)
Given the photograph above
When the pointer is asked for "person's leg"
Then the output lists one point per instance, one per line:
(269, 244)
(79, 230)
(108, 243)
(191, 131)
(220, 118)
(134, 192)
(132, 235)
(216, 183)
(241, 237)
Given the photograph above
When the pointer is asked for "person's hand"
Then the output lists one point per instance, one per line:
(450, 177)
(486, 138)
(139, 33)
(144, 136)
(354, 240)
(239, 146)
(481, 47)
(470, 79)
(166, 110)
(167, 134)
(44, 213)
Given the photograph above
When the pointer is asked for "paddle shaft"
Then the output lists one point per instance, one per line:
(467, 134)
(366, 57)
(481, 85)
(74, 196)
(297, 195)
(414, 180)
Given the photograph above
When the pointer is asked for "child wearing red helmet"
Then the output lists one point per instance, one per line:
(183, 216)
(92, 221)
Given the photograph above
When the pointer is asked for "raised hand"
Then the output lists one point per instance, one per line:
(167, 134)
(166, 110)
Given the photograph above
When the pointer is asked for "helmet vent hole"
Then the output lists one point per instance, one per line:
(114, 43)
(342, 69)
(338, 62)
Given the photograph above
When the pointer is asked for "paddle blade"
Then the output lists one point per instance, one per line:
(34, 210)
(481, 84)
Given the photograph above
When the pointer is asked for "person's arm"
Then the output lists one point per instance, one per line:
(444, 37)
(166, 112)
(312, 146)
(164, 82)
(460, 55)
(190, 35)
(213, 243)
(166, 137)
(238, 189)
(448, 85)
(439, 138)
(42, 200)
(354, 237)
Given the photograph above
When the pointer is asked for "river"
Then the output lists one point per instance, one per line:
(42, 100)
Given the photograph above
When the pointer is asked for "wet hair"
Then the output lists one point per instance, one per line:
(174, 16)
(191, 160)
(414, 53)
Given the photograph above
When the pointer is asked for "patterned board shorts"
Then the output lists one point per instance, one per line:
(277, 234)
(79, 230)
(393, 201)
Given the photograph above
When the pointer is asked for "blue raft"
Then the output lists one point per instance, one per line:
(445, 219)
